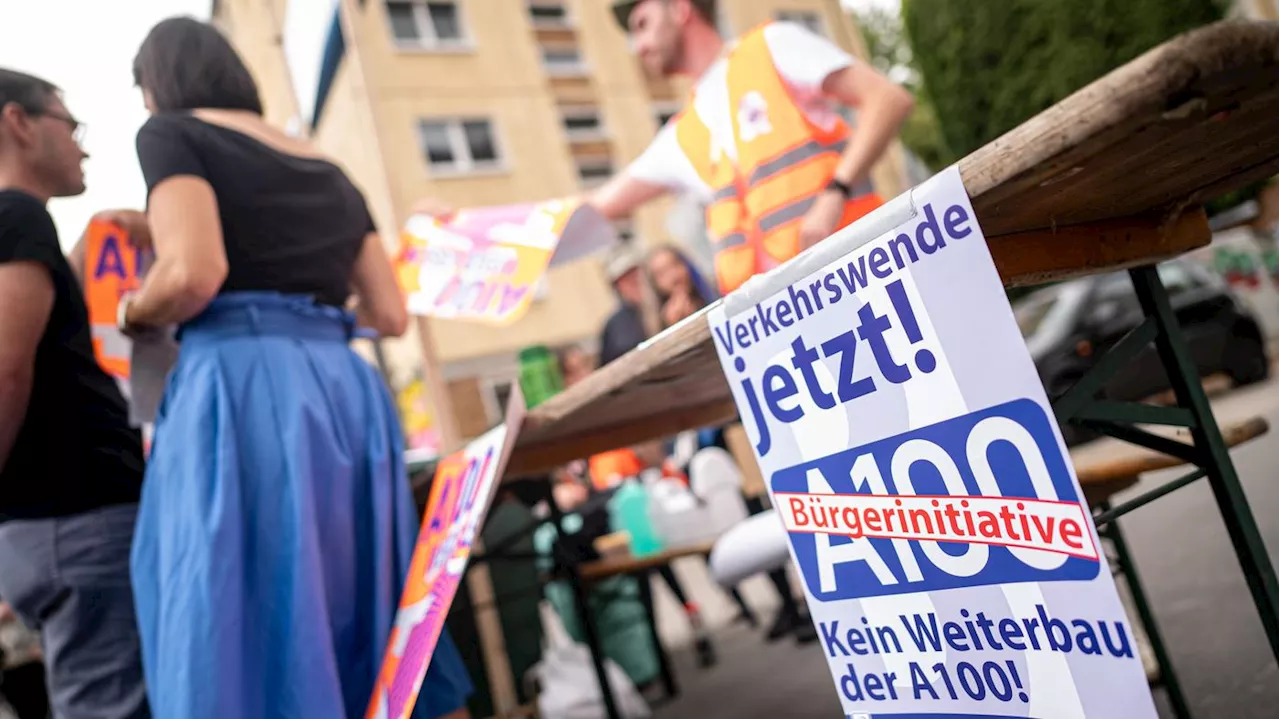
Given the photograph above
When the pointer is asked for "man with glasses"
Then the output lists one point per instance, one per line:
(70, 464)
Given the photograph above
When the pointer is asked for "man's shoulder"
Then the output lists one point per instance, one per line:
(625, 315)
(19, 208)
(27, 231)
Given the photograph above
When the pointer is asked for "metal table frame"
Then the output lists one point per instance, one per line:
(1207, 454)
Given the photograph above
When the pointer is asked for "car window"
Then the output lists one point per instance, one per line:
(1032, 310)
(1047, 314)
(1177, 279)
(1116, 288)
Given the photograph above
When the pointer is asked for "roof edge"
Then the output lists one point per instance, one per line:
(335, 47)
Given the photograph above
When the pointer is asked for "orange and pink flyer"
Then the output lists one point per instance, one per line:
(461, 493)
(484, 264)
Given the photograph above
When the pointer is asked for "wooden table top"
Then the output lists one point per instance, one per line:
(614, 566)
(1111, 177)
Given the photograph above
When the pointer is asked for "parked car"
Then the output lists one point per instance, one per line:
(1069, 326)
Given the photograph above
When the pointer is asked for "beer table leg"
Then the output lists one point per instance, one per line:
(1208, 450)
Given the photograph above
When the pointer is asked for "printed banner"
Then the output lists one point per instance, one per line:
(947, 553)
(112, 267)
(483, 264)
(463, 488)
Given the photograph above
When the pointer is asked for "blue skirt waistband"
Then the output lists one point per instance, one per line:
(240, 314)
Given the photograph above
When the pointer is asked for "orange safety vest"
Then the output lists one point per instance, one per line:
(784, 161)
(607, 467)
(112, 266)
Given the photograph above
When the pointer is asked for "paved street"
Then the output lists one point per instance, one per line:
(1182, 551)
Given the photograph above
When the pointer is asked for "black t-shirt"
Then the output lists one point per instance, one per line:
(290, 224)
(76, 450)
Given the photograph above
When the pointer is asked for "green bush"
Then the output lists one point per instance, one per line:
(988, 65)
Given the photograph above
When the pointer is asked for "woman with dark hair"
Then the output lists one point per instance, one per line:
(681, 288)
(276, 524)
(682, 291)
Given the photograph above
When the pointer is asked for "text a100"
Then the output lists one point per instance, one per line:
(984, 498)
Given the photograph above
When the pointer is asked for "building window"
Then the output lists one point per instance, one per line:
(807, 19)
(562, 61)
(459, 146)
(594, 172)
(664, 111)
(548, 14)
(582, 123)
(417, 23)
(626, 230)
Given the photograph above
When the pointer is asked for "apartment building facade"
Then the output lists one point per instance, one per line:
(482, 102)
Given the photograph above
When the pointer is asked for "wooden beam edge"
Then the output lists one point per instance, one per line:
(541, 457)
(1039, 256)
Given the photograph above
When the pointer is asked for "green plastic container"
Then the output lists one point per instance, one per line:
(540, 377)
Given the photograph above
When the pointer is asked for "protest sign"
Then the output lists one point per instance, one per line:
(463, 488)
(483, 264)
(949, 560)
(113, 266)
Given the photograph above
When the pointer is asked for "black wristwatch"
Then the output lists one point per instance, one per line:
(844, 188)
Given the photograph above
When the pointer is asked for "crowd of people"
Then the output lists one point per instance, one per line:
(249, 565)
(252, 566)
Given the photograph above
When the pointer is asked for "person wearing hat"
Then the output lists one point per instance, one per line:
(760, 142)
(625, 329)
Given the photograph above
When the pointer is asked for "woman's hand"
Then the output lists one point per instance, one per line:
(677, 307)
(132, 222)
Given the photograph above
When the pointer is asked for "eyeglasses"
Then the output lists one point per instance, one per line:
(78, 129)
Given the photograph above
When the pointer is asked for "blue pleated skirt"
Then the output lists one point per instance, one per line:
(276, 524)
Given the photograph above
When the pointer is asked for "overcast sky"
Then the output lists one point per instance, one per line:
(86, 47)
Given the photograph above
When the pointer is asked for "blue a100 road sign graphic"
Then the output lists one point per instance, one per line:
(933, 475)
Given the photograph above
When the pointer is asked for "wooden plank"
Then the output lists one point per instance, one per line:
(541, 457)
(1109, 178)
(613, 566)
(1100, 464)
(1037, 256)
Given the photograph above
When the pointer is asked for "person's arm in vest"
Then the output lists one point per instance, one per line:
(882, 107)
(661, 169)
(623, 195)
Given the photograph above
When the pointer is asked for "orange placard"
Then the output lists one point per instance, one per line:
(112, 267)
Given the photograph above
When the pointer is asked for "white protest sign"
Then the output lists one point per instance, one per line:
(949, 561)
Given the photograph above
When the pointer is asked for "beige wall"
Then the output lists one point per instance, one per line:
(254, 28)
(1255, 9)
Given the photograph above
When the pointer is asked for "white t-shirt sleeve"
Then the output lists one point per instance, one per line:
(803, 58)
(664, 163)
